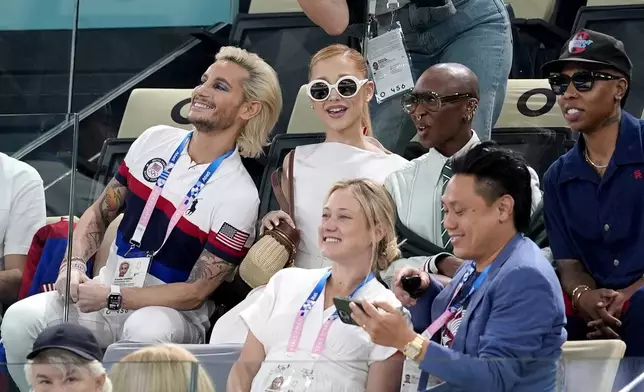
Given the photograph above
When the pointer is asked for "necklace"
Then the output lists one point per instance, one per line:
(593, 163)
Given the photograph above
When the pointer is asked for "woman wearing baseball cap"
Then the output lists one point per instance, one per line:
(593, 197)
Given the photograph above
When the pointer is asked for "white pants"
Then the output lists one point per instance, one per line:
(25, 319)
(231, 328)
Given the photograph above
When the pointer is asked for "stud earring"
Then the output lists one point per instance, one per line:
(312, 107)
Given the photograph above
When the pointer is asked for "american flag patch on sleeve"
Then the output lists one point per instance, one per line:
(231, 237)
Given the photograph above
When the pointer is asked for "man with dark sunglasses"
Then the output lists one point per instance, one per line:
(593, 195)
(441, 106)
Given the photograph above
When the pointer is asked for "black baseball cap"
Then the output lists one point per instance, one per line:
(592, 47)
(69, 337)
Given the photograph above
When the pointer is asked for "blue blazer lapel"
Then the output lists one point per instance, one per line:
(477, 296)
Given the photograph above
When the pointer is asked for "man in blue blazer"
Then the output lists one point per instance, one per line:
(499, 325)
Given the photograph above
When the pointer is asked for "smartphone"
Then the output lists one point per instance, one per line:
(411, 284)
(343, 309)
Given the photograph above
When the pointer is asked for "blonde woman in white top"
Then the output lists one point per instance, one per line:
(295, 343)
(339, 90)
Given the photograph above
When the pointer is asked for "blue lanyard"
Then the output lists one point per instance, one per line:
(151, 202)
(477, 283)
(298, 325)
(317, 291)
(205, 176)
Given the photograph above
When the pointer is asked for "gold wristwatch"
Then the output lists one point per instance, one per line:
(413, 349)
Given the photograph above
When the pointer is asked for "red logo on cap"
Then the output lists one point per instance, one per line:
(579, 43)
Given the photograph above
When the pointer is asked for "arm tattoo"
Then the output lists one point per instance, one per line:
(110, 205)
(210, 269)
(112, 202)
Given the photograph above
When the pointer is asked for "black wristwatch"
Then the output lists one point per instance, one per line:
(115, 299)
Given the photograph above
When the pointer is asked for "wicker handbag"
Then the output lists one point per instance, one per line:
(276, 248)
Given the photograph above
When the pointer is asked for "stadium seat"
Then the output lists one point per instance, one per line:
(103, 251)
(273, 6)
(280, 146)
(112, 154)
(217, 360)
(612, 2)
(53, 219)
(530, 9)
(540, 147)
(303, 120)
(591, 365)
(536, 39)
(530, 103)
(148, 107)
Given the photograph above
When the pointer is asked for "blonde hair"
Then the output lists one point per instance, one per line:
(358, 61)
(261, 85)
(380, 210)
(162, 368)
(66, 362)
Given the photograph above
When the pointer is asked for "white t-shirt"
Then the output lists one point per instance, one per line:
(343, 364)
(316, 168)
(22, 206)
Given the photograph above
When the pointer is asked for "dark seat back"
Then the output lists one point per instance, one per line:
(281, 145)
(539, 146)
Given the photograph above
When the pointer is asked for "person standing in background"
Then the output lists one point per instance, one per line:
(22, 213)
(475, 33)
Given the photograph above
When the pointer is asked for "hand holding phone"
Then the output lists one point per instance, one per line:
(411, 284)
(343, 309)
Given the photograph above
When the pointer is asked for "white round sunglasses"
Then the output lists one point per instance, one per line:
(347, 86)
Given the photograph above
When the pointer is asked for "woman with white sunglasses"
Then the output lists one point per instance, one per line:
(340, 92)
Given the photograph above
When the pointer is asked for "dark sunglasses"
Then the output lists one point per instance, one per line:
(430, 100)
(346, 86)
(582, 80)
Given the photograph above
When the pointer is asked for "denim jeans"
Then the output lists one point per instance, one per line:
(478, 36)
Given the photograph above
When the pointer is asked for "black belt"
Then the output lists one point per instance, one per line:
(429, 3)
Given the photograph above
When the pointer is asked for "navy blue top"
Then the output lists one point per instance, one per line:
(600, 220)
